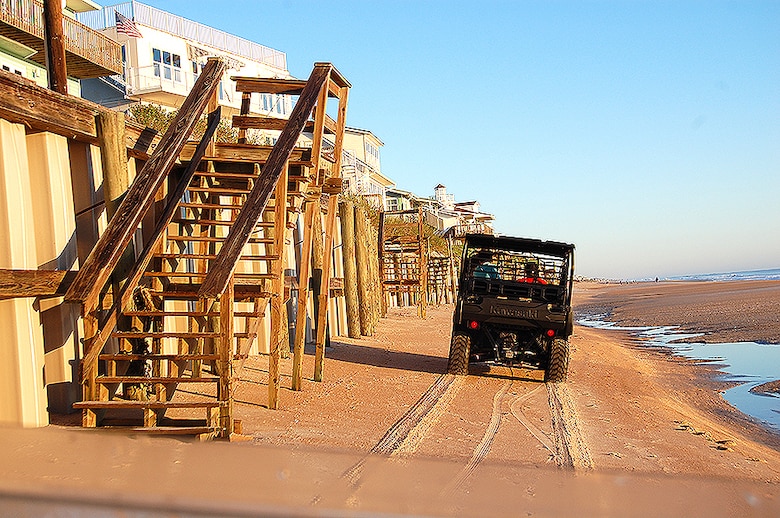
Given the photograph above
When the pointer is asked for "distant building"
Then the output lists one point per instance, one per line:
(88, 53)
(456, 218)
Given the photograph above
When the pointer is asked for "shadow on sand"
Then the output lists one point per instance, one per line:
(378, 357)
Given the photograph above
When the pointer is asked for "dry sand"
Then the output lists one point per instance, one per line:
(634, 432)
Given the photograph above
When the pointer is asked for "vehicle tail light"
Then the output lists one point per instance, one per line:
(473, 324)
(551, 332)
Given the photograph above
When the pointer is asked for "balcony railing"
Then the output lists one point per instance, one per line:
(92, 53)
(184, 28)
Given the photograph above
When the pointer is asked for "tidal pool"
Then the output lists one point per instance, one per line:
(748, 363)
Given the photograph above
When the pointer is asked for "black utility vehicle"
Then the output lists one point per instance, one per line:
(514, 305)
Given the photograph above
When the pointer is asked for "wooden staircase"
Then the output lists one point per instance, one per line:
(403, 259)
(164, 348)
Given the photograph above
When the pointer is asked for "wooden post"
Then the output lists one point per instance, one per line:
(225, 389)
(363, 271)
(423, 264)
(303, 295)
(278, 318)
(380, 244)
(330, 229)
(89, 371)
(54, 38)
(376, 281)
(347, 213)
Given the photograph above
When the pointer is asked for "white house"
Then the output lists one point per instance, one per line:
(163, 54)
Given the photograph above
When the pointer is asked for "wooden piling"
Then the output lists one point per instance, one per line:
(278, 316)
(54, 40)
(347, 214)
(363, 259)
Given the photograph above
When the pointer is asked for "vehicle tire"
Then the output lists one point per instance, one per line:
(460, 348)
(558, 366)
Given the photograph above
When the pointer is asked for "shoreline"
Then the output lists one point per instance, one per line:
(723, 311)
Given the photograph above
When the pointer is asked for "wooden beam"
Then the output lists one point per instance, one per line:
(223, 267)
(54, 36)
(35, 283)
(140, 197)
(24, 102)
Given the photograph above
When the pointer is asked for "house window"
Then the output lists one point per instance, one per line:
(372, 151)
(167, 65)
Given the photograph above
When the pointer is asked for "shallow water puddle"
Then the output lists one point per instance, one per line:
(748, 363)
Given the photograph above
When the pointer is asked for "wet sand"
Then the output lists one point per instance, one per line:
(731, 311)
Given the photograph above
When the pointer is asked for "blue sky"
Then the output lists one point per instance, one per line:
(646, 133)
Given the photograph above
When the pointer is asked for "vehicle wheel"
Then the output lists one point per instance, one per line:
(460, 348)
(558, 366)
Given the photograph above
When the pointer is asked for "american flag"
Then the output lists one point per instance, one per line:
(125, 25)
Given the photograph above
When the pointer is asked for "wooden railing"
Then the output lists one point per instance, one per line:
(27, 16)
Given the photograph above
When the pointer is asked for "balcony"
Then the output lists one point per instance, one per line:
(88, 53)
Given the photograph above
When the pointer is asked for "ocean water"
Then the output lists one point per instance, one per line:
(747, 363)
(772, 274)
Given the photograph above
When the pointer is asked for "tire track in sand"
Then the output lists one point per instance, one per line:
(570, 448)
(407, 433)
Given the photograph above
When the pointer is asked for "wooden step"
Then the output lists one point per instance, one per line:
(217, 222)
(208, 239)
(172, 357)
(213, 256)
(129, 335)
(164, 430)
(190, 291)
(239, 275)
(154, 379)
(124, 403)
(220, 191)
(194, 205)
(193, 314)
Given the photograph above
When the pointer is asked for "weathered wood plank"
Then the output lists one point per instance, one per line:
(258, 122)
(140, 197)
(225, 264)
(35, 283)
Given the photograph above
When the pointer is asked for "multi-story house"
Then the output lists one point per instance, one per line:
(88, 53)
(163, 54)
(362, 166)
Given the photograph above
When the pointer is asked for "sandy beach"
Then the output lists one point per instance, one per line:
(634, 432)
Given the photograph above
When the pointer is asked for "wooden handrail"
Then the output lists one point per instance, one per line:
(223, 266)
(104, 258)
